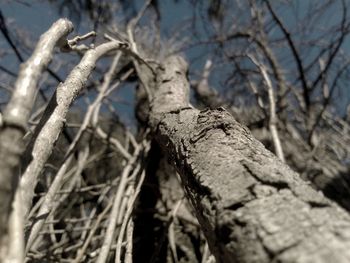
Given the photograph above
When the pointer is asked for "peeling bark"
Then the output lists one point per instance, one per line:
(251, 206)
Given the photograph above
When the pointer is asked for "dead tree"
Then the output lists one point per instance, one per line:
(250, 205)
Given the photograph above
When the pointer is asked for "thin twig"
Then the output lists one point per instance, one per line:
(105, 248)
(295, 53)
(81, 252)
(46, 206)
(127, 217)
(171, 232)
(273, 117)
(129, 241)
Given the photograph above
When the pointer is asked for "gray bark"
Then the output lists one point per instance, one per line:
(51, 124)
(251, 206)
(16, 115)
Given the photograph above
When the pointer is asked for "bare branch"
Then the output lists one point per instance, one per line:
(48, 202)
(112, 221)
(90, 117)
(273, 118)
(296, 56)
(344, 32)
(72, 44)
(16, 115)
(127, 217)
(51, 124)
(19, 107)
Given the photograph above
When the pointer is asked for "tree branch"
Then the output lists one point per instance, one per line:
(16, 115)
(273, 117)
(52, 122)
(295, 55)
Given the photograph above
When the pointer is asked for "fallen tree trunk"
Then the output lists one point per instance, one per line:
(251, 206)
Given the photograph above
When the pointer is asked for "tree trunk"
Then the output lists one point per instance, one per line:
(251, 206)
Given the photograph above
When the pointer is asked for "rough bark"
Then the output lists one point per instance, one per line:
(251, 206)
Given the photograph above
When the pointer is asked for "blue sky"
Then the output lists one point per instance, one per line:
(38, 17)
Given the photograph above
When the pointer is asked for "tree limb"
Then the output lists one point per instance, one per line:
(52, 122)
(16, 115)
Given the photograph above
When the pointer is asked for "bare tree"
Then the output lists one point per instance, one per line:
(79, 186)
